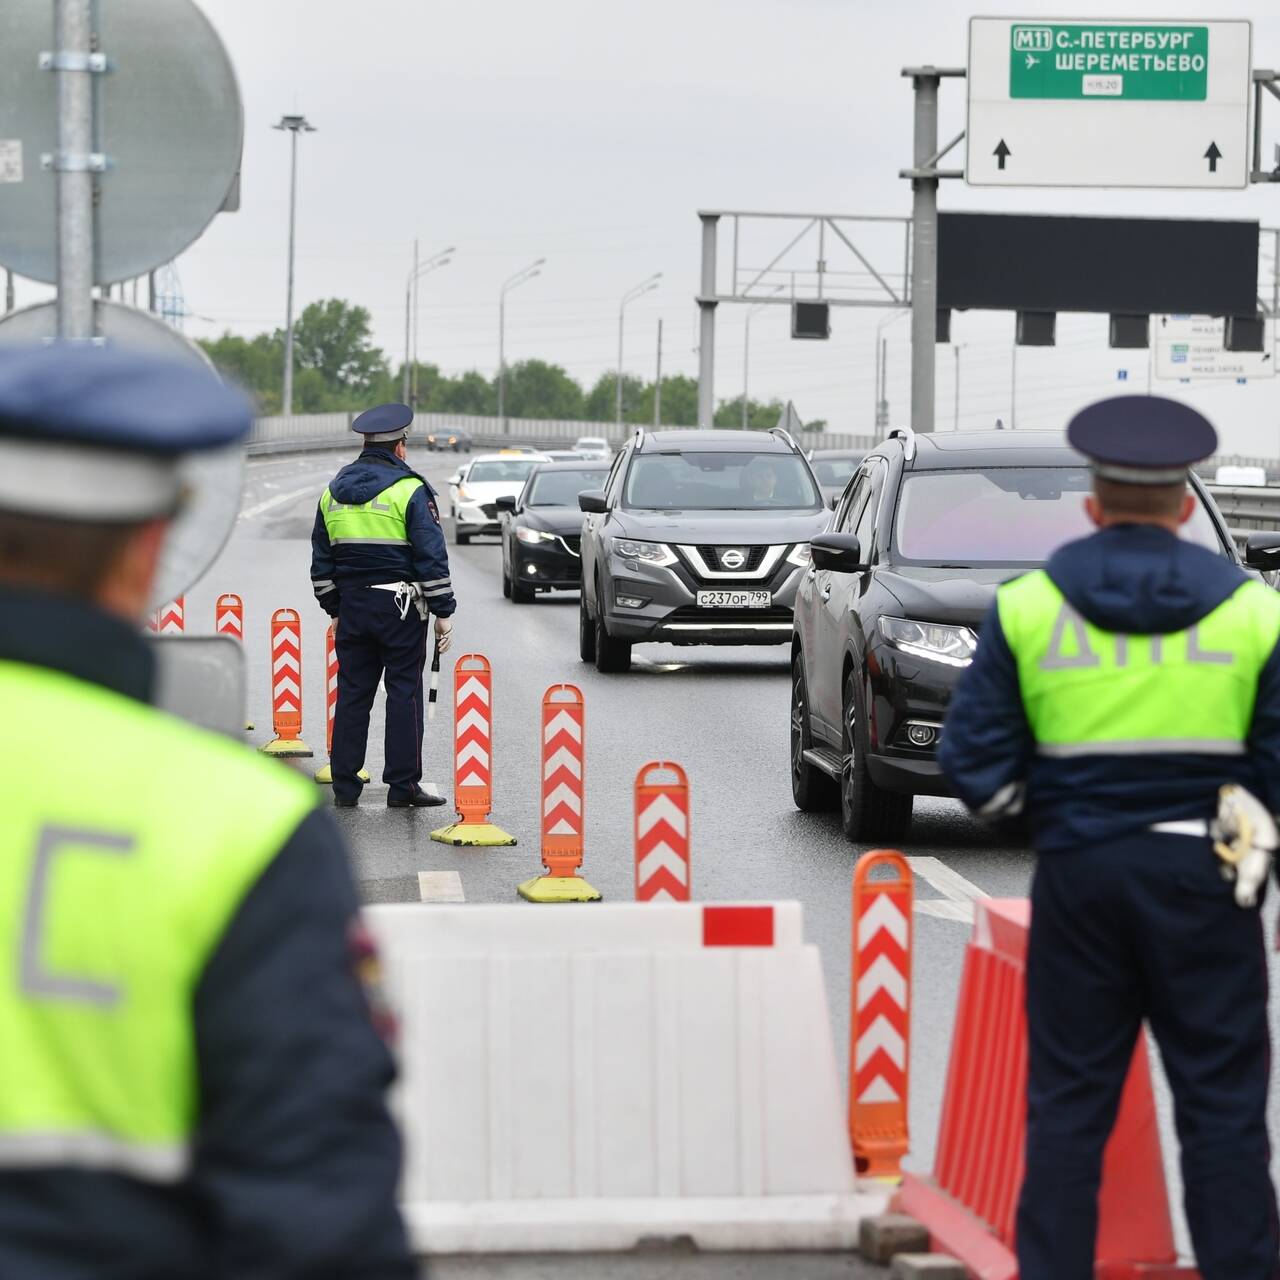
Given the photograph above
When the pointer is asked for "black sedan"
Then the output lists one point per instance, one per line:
(542, 530)
(454, 440)
(833, 468)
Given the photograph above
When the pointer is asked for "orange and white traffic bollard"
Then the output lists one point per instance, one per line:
(286, 687)
(228, 620)
(663, 870)
(473, 756)
(880, 1019)
(169, 619)
(563, 768)
(324, 773)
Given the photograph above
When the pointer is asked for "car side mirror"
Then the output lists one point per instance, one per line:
(505, 502)
(456, 478)
(838, 552)
(1262, 551)
(592, 501)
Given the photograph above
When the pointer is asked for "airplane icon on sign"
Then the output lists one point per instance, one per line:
(1032, 61)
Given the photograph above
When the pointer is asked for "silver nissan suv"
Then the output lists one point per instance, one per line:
(697, 537)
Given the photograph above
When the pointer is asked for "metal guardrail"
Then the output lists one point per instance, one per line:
(1247, 509)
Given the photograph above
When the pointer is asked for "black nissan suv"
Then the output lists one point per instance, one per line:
(696, 537)
(887, 616)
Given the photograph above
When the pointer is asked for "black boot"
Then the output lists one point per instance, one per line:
(416, 799)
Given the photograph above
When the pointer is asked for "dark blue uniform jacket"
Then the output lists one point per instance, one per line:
(425, 560)
(1138, 580)
(296, 1159)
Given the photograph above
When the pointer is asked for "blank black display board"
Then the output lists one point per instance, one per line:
(1134, 266)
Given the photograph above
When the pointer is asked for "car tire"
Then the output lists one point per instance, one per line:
(812, 790)
(460, 539)
(506, 585)
(586, 631)
(868, 813)
(520, 594)
(612, 656)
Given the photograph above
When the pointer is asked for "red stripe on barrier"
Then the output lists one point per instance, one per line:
(737, 926)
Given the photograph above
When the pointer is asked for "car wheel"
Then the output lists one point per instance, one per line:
(612, 656)
(586, 631)
(460, 539)
(506, 585)
(520, 594)
(812, 790)
(868, 813)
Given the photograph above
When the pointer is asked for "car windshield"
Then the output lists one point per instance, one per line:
(730, 480)
(500, 470)
(591, 442)
(834, 473)
(561, 488)
(1006, 516)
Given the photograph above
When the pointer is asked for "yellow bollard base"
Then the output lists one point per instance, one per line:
(557, 889)
(478, 834)
(324, 775)
(287, 749)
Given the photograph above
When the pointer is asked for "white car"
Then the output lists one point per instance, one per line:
(593, 447)
(475, 488)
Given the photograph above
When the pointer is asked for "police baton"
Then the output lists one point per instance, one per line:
(434, 691)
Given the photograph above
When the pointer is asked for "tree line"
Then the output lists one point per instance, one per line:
(338, 369)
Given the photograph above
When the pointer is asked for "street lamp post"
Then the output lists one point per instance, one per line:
(512, 282)
(441, 259)
(646, 286)
(294, 125)
(881, 417)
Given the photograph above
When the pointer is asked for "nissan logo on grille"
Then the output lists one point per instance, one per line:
(732, 558)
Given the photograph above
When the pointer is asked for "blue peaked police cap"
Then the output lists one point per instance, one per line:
(384, 422)
(1142, 439)
(97, 433)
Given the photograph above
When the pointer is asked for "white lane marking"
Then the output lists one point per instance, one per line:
(259, 508)
(440, 886)
(958, 894)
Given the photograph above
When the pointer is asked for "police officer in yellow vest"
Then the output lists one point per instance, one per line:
(380, 566)
(1128, 696)
(191, 1081)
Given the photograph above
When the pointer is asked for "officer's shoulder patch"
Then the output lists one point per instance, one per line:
(366, 965)
(435, 511)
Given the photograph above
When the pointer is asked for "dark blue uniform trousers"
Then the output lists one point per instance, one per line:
(1146, 927)
(373, 642)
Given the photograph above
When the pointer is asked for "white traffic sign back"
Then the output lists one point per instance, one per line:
(1191, 347)
(1108, 103)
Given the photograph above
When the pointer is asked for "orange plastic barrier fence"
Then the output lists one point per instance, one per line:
(969, 1203)
(663, 871)
(286, 686)
(228, 616)
(563, 726)
(880, 1015)
(473, 737)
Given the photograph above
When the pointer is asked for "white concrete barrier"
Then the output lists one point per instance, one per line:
(588, 1078)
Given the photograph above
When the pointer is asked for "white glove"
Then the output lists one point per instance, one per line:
(1245, 837)
(444, 634)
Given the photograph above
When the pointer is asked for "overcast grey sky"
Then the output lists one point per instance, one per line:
(590, 133)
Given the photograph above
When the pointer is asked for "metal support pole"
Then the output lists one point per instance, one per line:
(74, 36)
(924, 264)
(657, 382)
(1013, 389)
(746, 364)
(618, 381)
(502, 363)
(413, 377)
(287, 399)
(8, 290)
(151, 292)
(404, 393)
(884, 384)
(955, 421)
(707, 326)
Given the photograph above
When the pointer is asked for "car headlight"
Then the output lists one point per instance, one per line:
(534, 535)
(657, 554)
(801, 555)
(463, 495)
(952, 645)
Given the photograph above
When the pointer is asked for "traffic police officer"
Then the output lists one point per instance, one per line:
(379, 565)
(191, 1082)
(1114, 693)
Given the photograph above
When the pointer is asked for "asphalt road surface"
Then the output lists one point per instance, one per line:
(720, 712)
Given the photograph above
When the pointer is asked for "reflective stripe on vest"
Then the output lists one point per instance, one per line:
(114, 893)
(380, 521)
(1092, 692)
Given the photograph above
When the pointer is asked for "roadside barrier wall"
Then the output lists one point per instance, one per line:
(625, 1072)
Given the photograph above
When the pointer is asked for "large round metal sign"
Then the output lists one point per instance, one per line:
(212, 480)
(168, 119)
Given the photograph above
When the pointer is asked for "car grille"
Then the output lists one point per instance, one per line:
(490, 510)
(711, 558)
(573, 541)
(728, 617)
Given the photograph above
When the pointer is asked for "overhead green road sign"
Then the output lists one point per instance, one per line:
(1166, 63)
